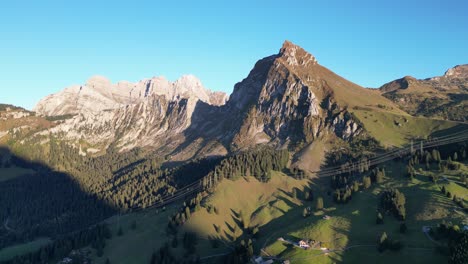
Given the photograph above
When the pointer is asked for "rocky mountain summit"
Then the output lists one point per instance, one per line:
(99, 94)
(287, 100)
(459, 71)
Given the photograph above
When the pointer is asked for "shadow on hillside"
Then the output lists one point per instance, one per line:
(456, 129)
(205, 124)
(45, 203)
(221, 123)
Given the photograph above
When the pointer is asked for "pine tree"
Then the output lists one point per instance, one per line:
(307, 195)
(379, 175)
(383, 241)
(367, 182)
(403, 228)
(379, 219)
(187, 212)
(459, 249)
(174, 242)
(356, 186)
(154, 258)
(255, 232)
(319, 203)
(305, 213)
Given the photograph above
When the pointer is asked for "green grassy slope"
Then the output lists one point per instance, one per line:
(397, 130)
(354, 224)
(273, 208)
(255, 202)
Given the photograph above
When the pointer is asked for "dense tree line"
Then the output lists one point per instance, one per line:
(184, 213)
(45, 203)
(345, 185)
(257, 163)
(165, 255)
(62, 246)
(349, 173)
(393, 201)
(242, 253)
(458, 249)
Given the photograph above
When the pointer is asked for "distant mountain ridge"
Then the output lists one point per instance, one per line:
(443, 97)
(100, 94)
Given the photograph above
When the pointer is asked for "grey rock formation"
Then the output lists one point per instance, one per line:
(287, 99)
(99, 94)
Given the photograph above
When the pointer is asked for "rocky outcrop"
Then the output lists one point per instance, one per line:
(152, 113)
(444, 97)
(99, 94)
(288, 98)
(459, 71)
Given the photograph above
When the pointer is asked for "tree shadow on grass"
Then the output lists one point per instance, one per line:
(231, 228)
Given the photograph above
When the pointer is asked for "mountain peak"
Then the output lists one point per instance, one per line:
(98, 81)
(189, 79)
(295, 55)
(459, 71)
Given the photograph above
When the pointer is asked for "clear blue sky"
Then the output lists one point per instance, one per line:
(48, 45)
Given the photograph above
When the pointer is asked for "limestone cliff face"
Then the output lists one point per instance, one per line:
(286, 99)
(459, 71)
(152, 113)
(99, 94)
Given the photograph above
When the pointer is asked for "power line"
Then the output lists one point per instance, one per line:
(337, 169)
(197, 185)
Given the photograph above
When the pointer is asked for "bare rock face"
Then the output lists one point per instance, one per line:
(459, 71)
(288, 98)
(150, 113)
(99, 94)
(295, 55)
